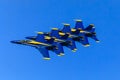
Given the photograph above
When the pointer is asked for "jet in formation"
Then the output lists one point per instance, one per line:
(57, 38)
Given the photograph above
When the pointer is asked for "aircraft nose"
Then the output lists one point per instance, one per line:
(16, 42)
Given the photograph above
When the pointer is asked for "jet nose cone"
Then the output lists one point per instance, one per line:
(16, 42)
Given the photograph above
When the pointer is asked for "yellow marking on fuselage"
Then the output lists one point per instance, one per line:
(82, 31)
(38, 43)
(59, 40)
(61, 33)
(71, 36)
(47, 37)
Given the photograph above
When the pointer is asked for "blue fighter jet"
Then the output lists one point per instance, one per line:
(80, 37)
(42, 44)
(88, 31)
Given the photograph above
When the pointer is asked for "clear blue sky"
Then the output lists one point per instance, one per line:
(21, 18)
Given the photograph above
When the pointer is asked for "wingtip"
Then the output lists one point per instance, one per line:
(97, 41)
(74, 50)
(46, 58)
(61, 54)
(87, 45)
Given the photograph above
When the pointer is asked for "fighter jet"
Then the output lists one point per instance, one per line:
(88, 31)
(75, 35)
(42, 44)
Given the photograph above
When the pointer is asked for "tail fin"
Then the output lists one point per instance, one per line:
(66, 28)
(90, 28)
(55, 33)
(40, 37)
(79, 24)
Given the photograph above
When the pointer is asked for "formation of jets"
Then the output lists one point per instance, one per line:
(57, 38)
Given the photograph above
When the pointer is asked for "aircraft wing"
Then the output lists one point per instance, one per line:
(84, 41)
(93, 36)
(59, 50)
(44, 52)
(72, 46)
(90, 28)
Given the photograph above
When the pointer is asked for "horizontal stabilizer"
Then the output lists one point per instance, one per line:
(90, 28)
